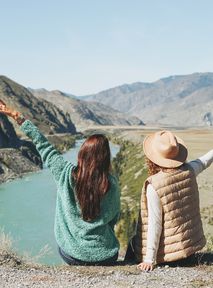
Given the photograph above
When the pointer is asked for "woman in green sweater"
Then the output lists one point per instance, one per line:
(88, 197)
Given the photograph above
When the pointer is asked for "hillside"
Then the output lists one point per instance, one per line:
(48, 117)
(19, 156)
(85, 113)
(185, 100)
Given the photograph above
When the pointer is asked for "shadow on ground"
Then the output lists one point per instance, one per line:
(193, 260)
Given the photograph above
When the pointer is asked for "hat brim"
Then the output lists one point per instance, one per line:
(153, 155)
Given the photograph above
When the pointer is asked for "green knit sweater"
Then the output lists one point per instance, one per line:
(87, 241)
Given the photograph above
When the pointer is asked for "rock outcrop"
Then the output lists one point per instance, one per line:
(8, 137)
(16, 156)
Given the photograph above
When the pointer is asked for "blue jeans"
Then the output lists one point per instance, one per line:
(73, 261)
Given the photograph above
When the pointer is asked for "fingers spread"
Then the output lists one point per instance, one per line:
(145, 267)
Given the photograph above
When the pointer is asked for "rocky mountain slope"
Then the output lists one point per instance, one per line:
(85, 113)
(176, 100)
(8, 137)
(48, 117)
(19, 156)
(16, 156)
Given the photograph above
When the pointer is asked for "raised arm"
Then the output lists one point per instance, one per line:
(49, 155)
(202, 163)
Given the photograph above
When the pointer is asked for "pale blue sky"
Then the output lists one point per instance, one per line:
(85, 46)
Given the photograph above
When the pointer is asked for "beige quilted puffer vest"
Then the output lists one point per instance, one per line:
(182, 233)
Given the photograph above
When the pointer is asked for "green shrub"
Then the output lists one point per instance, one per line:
(129, 167)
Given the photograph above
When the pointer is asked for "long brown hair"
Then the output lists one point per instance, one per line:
(91, 175)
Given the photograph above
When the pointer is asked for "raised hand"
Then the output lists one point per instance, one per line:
(2, 106)
(7, 111)
(11, 113)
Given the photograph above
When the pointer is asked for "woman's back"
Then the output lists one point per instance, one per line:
(90, 241)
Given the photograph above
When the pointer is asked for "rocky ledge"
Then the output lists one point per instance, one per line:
(101, 277)
(17, 156)
(13, 164)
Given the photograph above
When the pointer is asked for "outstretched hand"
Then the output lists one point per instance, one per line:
(7, 111)
(2, 106)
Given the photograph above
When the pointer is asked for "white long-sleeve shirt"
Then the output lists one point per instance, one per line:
(155, 209)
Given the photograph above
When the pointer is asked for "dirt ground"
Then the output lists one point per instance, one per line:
(106, 277)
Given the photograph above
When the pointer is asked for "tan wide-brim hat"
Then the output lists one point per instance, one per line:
(165, 149)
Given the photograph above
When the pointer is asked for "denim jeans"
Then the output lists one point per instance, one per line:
(73, 261)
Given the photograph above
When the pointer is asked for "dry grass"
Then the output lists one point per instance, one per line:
(9, 257)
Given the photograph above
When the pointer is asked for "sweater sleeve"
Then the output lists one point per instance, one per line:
(202, 163)
(154, 224)
(49, 155)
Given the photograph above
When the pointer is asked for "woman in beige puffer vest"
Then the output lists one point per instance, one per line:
(169, 225)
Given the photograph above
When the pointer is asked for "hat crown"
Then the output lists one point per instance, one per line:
(165, 149)
(166, 144)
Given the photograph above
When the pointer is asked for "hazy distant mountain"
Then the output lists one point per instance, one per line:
(85, 113)
(176, 100)
(45, 115)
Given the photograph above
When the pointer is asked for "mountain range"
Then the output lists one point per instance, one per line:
(83, 113)
(48, 117)
(182, 100)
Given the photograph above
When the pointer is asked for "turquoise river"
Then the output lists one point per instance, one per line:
(27, 207)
